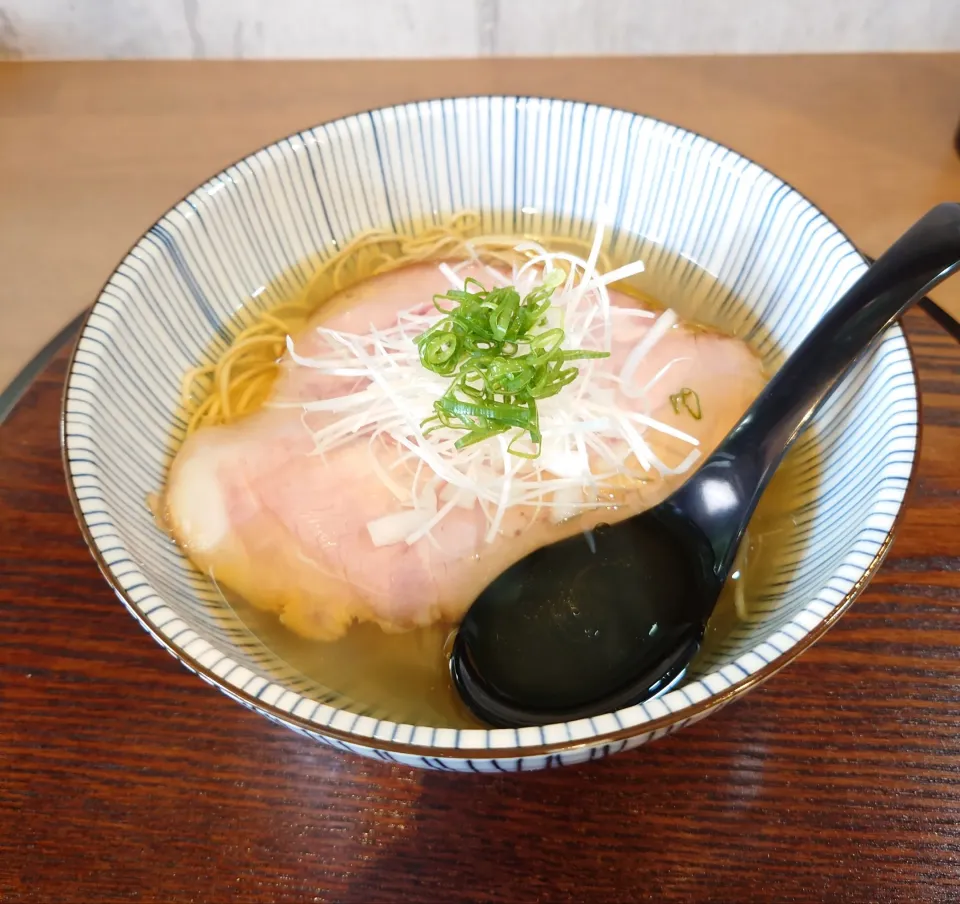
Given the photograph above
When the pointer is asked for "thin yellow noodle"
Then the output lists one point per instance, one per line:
(208, 409)
(255, 371)
(235, 356)
(190, 378)
(254, 329)
(290, 305)
(272, 320)
(241, 378)
(253, 390)
(246, 341)
(223, 384)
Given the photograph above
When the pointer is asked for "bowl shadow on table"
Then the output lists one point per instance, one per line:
(716, 812)
(677, 813)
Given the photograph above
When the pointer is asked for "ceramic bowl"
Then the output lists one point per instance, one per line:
(776, 263)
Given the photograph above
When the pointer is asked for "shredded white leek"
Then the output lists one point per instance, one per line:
(588, 441)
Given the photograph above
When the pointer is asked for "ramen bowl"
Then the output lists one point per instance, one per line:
(725, 231)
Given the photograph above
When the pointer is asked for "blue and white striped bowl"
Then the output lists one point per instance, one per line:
(527, 165)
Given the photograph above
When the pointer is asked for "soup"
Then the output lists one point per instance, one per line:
(369, 454)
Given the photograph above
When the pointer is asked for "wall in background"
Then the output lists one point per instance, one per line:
(453, 28)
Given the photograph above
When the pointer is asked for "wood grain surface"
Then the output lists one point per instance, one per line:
(91, 154)
(124, 778)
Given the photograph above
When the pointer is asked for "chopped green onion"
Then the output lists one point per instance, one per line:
(499, 369)
(688, 399)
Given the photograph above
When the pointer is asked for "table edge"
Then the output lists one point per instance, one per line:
(18, 386)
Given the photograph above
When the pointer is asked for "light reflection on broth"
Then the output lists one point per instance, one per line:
(404, 676)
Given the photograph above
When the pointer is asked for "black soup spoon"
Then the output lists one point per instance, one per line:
(613, 616)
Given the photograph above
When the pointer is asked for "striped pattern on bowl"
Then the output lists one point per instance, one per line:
(682, 203)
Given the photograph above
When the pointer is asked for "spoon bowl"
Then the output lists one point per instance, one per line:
(575, 615)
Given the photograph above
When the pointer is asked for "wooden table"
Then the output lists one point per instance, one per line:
(124, 778)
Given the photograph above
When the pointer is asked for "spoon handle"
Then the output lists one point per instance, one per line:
(928, 252)
(923, 256)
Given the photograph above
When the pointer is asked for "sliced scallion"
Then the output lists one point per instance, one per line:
(498, 366)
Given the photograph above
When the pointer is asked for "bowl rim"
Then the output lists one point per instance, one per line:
(519, 751)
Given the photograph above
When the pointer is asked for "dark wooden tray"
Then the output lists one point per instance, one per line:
(123, 777)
